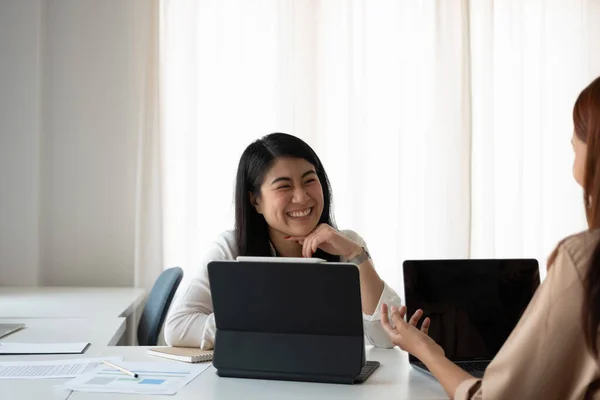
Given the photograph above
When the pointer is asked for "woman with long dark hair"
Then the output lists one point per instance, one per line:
(282, 209)
(553, 351)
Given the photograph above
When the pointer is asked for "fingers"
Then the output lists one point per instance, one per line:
(318, 236)
(398, 316)
(313, 240)
(402, 311)
(295, 238)
(414, 320)
(385, 321)
(384, 309)
(306, 242)
(385, 318)
(314, 247)
(395, 324)
(299, 238)
(384, 314)
(426, 325)
(306, 248)
(308, 245)
(415, 317)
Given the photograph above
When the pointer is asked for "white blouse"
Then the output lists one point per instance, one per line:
(191, 322)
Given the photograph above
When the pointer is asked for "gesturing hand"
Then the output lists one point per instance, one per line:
(406, 335)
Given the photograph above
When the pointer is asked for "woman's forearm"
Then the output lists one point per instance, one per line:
(371, 287)
(447, 373)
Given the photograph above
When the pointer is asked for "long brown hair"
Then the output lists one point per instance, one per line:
(586, 120)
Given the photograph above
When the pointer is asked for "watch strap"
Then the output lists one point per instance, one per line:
(360, 258)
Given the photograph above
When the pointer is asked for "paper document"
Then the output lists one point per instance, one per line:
(42, 348)
(154, 378)
(50, 369)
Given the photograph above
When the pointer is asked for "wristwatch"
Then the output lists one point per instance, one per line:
(360, 258)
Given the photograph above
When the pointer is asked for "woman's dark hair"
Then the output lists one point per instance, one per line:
(251, 229)
(586, 120)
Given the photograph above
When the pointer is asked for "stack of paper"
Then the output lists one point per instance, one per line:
(50, 369)
(153, 378)
(42, 348)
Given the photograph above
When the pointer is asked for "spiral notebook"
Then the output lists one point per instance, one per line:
(186, 354)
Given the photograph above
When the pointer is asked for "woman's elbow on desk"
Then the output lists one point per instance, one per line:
(373, 329)
(376, 335)
(190, 318)
(185, 330)
(173, 333)
(378, 338)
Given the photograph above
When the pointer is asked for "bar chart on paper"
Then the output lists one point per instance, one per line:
(153, 378)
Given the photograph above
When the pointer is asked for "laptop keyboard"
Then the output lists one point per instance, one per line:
(470, 366)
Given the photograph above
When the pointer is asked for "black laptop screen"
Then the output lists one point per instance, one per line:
(473, 304)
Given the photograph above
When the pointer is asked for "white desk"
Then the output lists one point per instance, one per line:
(98, 331)
(73, 302)
(68, 302)
(395, 379)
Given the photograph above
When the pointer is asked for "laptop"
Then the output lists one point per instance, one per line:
(288, 321)
(473, 304)
(7, 329)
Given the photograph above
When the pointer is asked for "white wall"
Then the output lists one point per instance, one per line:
(68, 88)
(20, 69)
(88, 164)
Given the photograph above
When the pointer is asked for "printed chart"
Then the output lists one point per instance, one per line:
(153, 378)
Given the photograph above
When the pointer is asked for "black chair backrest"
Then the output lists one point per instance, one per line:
(157, 306)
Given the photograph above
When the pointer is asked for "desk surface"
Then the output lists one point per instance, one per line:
(98, 331)
(395, 379)
(68, 302)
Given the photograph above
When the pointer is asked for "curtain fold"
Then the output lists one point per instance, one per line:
(444, 125)
(148, 251)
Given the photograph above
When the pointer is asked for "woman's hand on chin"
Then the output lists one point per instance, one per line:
(329, 240)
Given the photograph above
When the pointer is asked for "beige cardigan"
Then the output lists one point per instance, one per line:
(546, 356)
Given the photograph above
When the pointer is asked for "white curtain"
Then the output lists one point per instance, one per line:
(148, 251)
(529, 61)
(444, 125)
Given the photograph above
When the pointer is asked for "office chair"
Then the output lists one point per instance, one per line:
(157, 306)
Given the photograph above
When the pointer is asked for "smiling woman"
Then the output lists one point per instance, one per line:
(282, 209)
(279, 178)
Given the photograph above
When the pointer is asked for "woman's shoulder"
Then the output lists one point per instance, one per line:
(580, 247)
(355, 237)
(224, 247)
